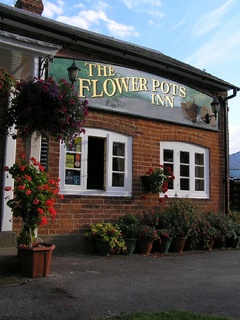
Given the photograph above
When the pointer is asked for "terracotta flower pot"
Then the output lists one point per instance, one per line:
(35, 261)
(178, 244)
(144, 245)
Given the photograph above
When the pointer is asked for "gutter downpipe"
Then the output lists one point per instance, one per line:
(226, 146)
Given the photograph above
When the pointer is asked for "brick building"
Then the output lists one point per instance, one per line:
(145, 109)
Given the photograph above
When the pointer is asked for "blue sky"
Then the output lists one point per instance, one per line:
(204, 34)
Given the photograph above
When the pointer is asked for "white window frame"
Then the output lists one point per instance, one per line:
(109, 190)
(192, 149)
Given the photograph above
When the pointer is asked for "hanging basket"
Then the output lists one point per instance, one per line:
(46, 107)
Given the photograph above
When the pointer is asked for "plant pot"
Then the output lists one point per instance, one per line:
(162, 247)
(102, 247)
(190, 244)
(233, 242)
(144, 245)
(131, 245)
(220, 243)
(35, 261)
(208, 245)
(178, 244)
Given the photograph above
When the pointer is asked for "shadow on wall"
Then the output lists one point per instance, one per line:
(70, 243)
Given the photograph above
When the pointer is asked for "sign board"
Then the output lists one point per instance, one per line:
(130, 91)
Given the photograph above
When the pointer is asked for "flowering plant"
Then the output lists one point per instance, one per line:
(207, 232)
(180, 214)
(157, 180)
(34, 194)
(149, 232)
(6, 81)
(46, 106)
(164, 234)
(109, 233)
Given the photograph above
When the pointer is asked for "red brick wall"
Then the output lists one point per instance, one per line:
(75, 213)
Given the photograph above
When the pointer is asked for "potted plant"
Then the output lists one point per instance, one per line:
(108, 237)
(147, 235)
(157, 179)
(179, 213)
(46, 106)
(233, 241)
(162, 245)
(147, 231)
(193, 238)
(224, 227)
(34, 198)
(129, 225)
(165, 231)
(207, 232)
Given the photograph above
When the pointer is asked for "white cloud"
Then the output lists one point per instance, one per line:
(179, 24)
(89, 19)
(217, 50)
(155, 13)
(85, 19)
(50, 9)
(131, 4)
(121, 30)
(211, 20)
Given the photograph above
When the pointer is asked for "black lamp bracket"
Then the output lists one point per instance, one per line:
(43, 65)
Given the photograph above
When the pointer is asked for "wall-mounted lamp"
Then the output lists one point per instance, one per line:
(73, 71)
(215, 109)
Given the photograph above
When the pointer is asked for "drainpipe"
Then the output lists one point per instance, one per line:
(226, 146)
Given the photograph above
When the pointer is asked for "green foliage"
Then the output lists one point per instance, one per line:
(6, 81)
(109, 233)
(181, 213)
(222, 223)
(167, 315)
(235, 218)
(129, 225)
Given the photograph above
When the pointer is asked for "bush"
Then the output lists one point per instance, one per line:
(129, 225)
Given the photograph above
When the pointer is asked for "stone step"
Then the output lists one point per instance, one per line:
(9, 261)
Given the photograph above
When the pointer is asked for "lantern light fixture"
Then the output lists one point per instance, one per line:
(73, 71)
(215, 108)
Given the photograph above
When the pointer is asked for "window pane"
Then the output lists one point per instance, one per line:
(72, 177)
(118, 179)
(69, 160)
(184, 184)
(184, 171)
(118, 164)
(199, 172)
(199, 185)
(118, 149)
(199, 159)
(184, 157)
(167, 155)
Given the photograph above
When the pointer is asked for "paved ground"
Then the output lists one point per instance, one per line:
(91, 287)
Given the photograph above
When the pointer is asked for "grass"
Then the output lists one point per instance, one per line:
(168, 315)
